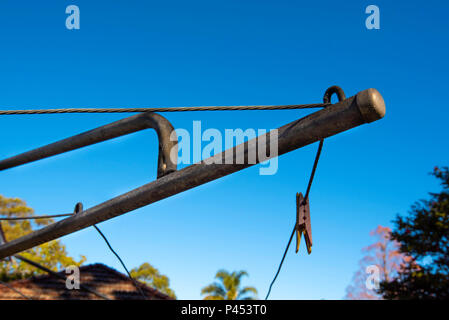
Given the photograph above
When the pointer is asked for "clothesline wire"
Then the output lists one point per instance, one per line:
(163, 109)
(36, 217)
(121, 262)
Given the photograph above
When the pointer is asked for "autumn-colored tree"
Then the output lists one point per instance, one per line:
(52, 255)
(228, 287)
(424, 235)
(385, 260)
(151, 276)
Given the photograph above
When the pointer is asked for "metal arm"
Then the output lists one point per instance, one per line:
(116, 129)
(366, 106)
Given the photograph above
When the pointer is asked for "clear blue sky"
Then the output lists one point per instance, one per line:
(177, 53)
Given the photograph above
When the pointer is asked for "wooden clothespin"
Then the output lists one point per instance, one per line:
(303, 223)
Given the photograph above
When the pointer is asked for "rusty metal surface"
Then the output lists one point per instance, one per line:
(116, 129)
(364, 107)
(330, 91)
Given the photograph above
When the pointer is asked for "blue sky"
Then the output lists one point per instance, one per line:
(179, 53)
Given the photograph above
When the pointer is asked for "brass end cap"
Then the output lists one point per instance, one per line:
(371, 105)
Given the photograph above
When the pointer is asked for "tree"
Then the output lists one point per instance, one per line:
(424, 235)
(149, 275)
(228, 287)
(384, 258)
(52, 255)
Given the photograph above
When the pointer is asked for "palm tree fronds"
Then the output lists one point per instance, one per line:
(229, 287)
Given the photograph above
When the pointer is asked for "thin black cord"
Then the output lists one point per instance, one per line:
(121, 261)
(312, 175)
(15, 290)
(282, 261)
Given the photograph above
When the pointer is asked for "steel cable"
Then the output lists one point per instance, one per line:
(163, 109)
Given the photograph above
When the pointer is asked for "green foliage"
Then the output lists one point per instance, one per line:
(52, 255)
(228, 287)
(424, 235)
(149, 275)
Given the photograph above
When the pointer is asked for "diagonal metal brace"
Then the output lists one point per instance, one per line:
(303, 223)
(168, 148)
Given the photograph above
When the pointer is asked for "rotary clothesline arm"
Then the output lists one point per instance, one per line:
(367, 106)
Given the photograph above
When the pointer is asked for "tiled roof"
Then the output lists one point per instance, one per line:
(99, 277)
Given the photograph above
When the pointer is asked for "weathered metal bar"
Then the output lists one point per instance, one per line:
(366, 106)
(116, 129)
